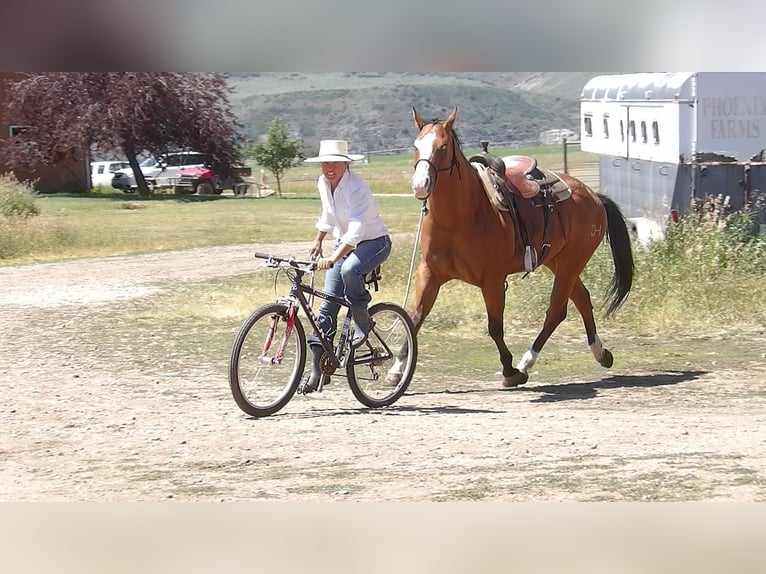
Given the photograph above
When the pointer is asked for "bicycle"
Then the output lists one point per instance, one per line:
(268, 356)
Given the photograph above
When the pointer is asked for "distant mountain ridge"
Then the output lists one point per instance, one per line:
(373, 110)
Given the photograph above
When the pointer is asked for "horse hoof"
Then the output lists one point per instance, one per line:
(516, 379)
(607, 359)
(392, 380)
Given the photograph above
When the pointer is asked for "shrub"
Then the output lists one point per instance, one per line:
(713, 240)
(16, 198)
(707, 271)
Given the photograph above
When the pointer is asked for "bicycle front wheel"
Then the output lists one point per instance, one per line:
(380, 370)
(267, 360)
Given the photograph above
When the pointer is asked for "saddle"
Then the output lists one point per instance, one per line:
(516, 184)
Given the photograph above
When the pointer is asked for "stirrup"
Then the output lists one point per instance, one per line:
(530, 259)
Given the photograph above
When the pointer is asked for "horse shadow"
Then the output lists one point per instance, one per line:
(585, 390)
(547, 394)
(589, 390)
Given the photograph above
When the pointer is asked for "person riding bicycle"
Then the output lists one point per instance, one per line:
(362, 243)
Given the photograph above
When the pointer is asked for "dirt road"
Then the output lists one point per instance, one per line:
(85, 421)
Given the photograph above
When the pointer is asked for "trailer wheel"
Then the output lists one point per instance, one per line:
(204, 188)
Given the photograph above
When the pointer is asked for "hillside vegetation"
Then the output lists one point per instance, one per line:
(373, 109)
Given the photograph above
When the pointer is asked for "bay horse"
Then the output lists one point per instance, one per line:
(464, 237)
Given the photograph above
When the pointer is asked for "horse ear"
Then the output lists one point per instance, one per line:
(419, 121)
(451, 119)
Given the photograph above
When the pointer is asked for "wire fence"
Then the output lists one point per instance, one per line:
(556, 158)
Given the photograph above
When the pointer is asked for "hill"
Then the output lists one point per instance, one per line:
(373, 110)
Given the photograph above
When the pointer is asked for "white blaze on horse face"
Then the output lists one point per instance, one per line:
(421, 178)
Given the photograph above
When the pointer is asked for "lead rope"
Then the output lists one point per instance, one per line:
(423, 212)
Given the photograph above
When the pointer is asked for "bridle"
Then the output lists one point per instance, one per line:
(433, 171)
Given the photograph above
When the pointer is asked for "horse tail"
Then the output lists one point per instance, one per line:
(622, 255)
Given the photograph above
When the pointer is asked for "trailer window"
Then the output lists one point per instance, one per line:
(656, 132)
(588, 126)
(606, 127)
(632, 130)
(622, 131)
(644, 137)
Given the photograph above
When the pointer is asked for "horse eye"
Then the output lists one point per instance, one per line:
(443, 146)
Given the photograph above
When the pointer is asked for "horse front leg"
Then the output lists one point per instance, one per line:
(427, 288)
(494, 301)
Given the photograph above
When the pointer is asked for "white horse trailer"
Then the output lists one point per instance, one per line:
(667, 138)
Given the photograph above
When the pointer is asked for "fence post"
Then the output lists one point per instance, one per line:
(566, 166)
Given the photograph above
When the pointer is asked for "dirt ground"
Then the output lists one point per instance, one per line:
(94, 426)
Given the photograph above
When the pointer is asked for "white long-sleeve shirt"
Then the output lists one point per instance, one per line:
(351, 213)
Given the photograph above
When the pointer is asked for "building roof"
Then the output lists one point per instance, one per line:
(638, 87)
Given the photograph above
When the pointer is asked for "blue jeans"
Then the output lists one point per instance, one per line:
(346, 277)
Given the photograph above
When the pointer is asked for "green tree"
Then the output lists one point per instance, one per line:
(278, 153)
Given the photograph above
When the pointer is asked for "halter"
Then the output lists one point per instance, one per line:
(454, 164)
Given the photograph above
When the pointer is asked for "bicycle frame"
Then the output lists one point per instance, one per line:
(298, 292)
(299, 297)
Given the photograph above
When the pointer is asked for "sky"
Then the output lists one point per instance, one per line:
(333, 35)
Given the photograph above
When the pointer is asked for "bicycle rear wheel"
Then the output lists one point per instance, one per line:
(380, 370)
(267, 360)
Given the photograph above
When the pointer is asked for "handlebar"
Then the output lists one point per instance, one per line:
(277, 260)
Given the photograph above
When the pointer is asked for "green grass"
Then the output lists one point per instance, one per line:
(109, 222)
(706, 276)
(73, 226)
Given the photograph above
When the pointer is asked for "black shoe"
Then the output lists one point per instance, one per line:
(362, 325)
(360, 336)
(308, 385)
(311, 382)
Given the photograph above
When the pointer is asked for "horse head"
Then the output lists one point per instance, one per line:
(436, 150)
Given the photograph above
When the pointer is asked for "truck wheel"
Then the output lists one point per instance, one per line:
(204, 188)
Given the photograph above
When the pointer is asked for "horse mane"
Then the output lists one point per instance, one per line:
(458, 142)
(454, 135)
(458, 145)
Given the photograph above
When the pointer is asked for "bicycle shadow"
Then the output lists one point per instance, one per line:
(393, 410)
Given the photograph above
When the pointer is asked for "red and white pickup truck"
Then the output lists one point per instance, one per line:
(203, 181)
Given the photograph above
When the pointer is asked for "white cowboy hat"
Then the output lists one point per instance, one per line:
(334, 150)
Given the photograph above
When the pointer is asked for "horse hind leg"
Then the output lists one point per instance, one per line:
(581, 299)
(556, 313)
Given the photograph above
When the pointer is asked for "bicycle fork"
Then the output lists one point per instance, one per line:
(289, 326)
